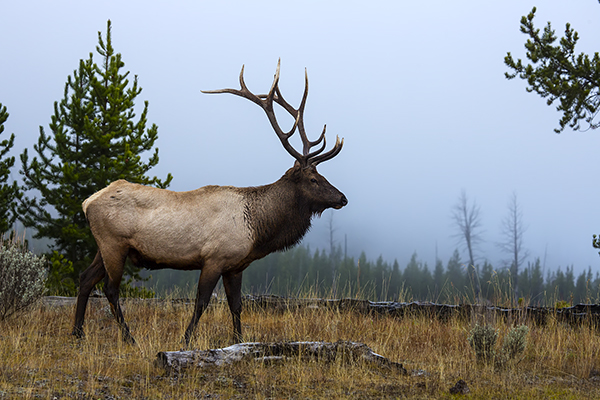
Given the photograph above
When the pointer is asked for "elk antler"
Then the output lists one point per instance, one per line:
(265, 101)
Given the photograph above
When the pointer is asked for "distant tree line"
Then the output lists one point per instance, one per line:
(300, 272)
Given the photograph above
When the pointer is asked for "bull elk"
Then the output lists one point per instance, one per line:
(219, 230)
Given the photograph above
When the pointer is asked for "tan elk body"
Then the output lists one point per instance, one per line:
(198, 223)
(217, 229)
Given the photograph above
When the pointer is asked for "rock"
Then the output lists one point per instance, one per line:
(460, 388)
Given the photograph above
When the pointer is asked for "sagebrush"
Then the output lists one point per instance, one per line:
(482, 340)
(22, 278)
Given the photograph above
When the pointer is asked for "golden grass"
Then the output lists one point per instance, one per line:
(39, 358)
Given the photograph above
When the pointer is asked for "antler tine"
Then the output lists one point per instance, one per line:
(321, 138)
(242, 92)
(242, 83)
(274, 86)
(307, 143)
(337, 147)
(281, 101)
(267, 105)
(275, 95)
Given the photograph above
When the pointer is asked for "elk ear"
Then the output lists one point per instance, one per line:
(299, 167)
(294, 173)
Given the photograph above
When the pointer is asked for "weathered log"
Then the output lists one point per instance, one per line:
(176, 361)
(575, 315)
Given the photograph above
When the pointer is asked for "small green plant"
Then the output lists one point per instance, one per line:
(515, 342)
(59, 281)
(482, 340)
(128, 289)
(562, 304)
(22, 278)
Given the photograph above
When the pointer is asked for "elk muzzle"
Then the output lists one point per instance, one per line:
(342, 203)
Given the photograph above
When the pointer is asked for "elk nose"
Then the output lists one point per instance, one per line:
(344, 200)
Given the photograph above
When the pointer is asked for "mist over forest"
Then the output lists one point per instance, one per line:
(304, 272)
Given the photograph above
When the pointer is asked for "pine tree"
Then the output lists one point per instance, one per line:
(582, 294)
(395, 281)
(455, 276)
(8, 192)
(486, 281)
(411, 275)
(439, 280)
(557, 73)
(536, 281)
(94, 140)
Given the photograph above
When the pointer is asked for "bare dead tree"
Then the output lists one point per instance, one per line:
(512, 230)
(468, 224)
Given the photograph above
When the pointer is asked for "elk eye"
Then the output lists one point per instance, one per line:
(313, 180)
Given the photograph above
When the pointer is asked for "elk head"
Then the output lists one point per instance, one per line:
(318, 192)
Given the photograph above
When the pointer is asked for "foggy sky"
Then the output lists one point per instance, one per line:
(416, 89)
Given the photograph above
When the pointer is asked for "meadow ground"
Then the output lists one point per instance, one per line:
(39, 359)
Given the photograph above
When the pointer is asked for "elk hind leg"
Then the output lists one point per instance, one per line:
(114, 256)
(111, 290)
(233, 289)
(87, 280)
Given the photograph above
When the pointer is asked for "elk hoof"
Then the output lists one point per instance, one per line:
(128, 339)
(78, 333)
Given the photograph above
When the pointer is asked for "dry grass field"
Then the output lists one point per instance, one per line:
(40, 360)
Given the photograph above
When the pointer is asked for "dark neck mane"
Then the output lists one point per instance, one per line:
(277, 216)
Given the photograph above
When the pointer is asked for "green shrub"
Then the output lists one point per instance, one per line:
(483, 339)
(128, 289)
(22, 278)
(515, 341)
(562, 304)
(59, 281)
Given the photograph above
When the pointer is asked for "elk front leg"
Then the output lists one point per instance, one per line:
(87, 280)
(233, 290)
(206, 284)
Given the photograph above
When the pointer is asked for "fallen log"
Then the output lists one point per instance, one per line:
(176, 361)
(574, 315)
